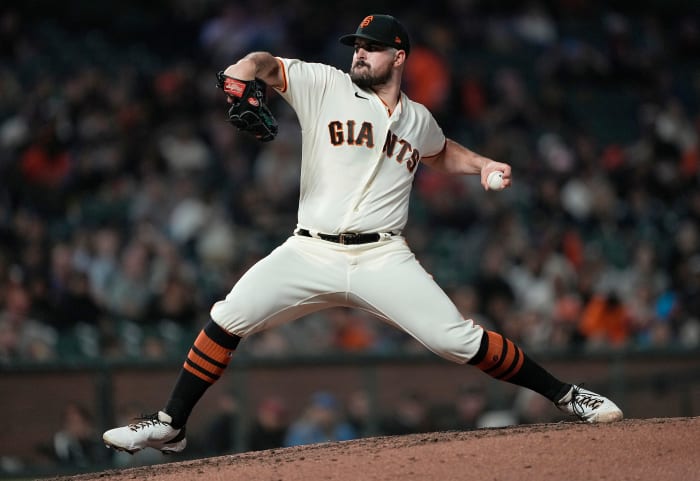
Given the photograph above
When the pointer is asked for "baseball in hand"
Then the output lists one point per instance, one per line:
(495, 180)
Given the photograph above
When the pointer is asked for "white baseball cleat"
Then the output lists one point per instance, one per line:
(152, 431)
(589, 406)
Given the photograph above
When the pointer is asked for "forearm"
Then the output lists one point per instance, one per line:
(457, 159)
(260, 65)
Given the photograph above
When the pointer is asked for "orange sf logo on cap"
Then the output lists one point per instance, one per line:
(368, 19)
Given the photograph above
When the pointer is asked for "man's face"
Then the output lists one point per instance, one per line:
(371, 64)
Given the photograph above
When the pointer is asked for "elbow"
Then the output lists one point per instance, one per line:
(267, 68)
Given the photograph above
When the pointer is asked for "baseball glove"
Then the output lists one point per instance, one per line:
(249, 111)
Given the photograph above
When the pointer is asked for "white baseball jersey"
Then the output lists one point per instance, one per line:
(361, 159)
(358, 164)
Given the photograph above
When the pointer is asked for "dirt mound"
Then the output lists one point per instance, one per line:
(649, 449)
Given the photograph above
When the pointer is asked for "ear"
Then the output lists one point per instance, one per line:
(399, 58)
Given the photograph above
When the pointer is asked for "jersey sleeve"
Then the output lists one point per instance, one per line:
(434, 139)
(306, 86)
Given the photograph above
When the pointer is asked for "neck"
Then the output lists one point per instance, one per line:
(389, 93)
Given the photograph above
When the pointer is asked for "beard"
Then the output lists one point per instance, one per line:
(364, 77)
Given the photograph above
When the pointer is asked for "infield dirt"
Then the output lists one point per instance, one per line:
(657, 449)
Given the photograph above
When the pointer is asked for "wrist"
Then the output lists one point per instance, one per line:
(481, 162)
(244, 69)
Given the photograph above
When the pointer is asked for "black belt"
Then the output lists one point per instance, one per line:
(346, 238)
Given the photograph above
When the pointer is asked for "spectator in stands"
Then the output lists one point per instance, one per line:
(269, 428)
(605, 321)
(322, 421)
(22, 336)
(128, 290)
(352, 331)
(410, 414)
(219, 435)
(470, 403)
(76, 305)
(44, 169)
(496, 293)
(76, 444)
(173, 311)
(358, 412)
(530, 410)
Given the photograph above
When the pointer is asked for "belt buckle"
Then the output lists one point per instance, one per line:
(346, 238)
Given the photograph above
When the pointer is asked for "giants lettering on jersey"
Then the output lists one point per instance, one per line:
(399, 149)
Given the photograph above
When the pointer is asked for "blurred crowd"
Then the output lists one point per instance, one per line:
(128, 205)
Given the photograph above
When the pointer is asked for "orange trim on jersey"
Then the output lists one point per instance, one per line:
(284, 75)
(388, 109)
(386, 106)
(444, 146)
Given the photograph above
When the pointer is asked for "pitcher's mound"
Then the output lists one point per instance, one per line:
(634, 449)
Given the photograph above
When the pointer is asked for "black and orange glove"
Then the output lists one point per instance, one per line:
(249, 111)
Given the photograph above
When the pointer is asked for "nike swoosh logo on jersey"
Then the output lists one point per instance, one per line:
(360, 96)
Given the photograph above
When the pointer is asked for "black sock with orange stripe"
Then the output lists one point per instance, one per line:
(502, 359)
(206, 361)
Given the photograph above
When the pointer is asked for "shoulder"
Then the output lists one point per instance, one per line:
(300, 74)
(298, 64)
(415, 107)
(418, 113)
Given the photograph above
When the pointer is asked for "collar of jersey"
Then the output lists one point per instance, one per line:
(388, 110)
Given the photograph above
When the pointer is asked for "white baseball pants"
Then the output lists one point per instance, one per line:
(305, 275)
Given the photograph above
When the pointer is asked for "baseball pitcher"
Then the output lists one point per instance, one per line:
(363, 141)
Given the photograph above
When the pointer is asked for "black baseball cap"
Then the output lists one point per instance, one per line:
(381, 29)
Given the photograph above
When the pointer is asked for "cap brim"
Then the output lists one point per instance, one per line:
(349, 40)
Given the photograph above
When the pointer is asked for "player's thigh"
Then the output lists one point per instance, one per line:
(399, 290)
(291, 282)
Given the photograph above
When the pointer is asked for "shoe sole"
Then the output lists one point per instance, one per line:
(165, 449)
(119, 448)
(610, 417)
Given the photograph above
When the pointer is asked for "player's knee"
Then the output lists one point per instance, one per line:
(459, 348)
(230, 318)
(454, 352)
(221, 336)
